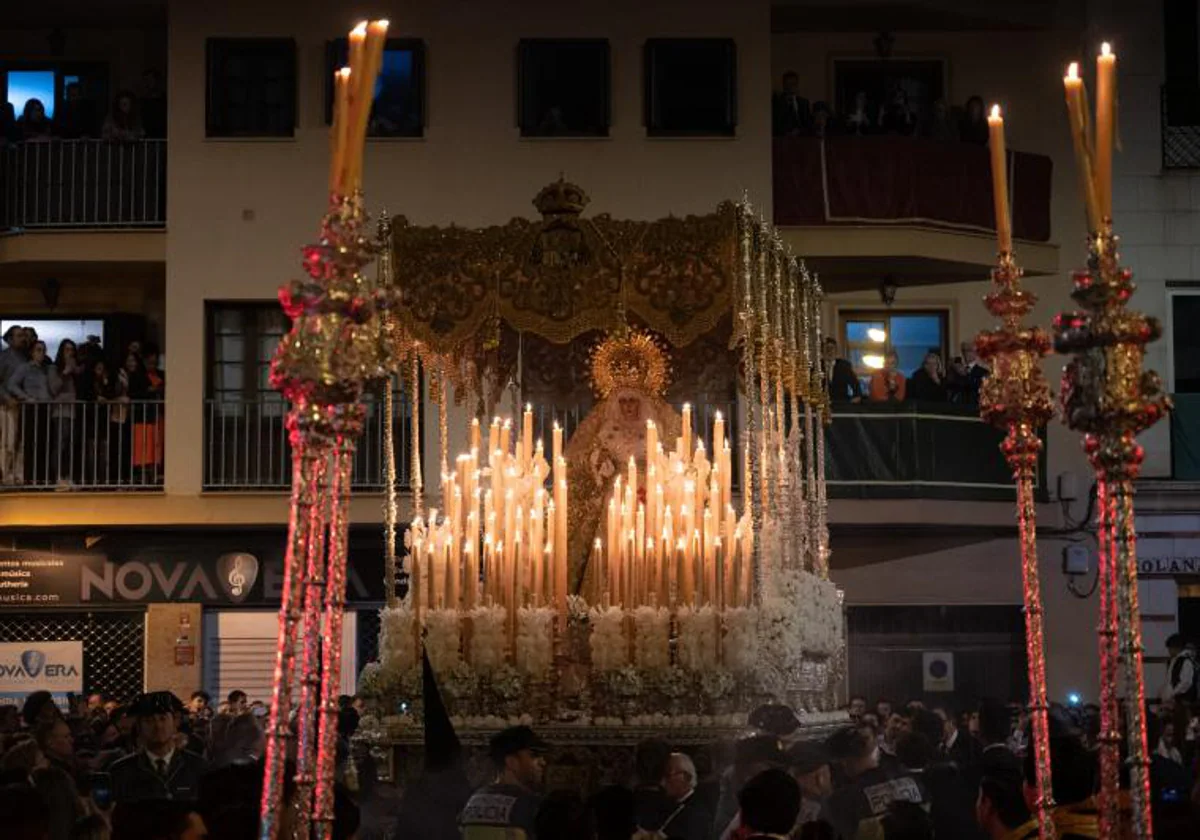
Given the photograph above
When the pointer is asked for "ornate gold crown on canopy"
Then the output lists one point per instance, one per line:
(632, 360)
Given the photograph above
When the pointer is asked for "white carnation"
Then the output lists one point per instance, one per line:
(610, 648)
(535, 640)
(652, 639)
(487, 638)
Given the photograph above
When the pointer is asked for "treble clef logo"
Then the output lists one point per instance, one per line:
(237, 580)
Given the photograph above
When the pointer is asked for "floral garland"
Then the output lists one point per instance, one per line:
(697, 638)
(507, 683)
(652, 639)
(610, 649)
(397, 644)
(535, 640)
(487, 638)
(442, 639)
(460, 682)
(819, 614)
(715, 683)
(674, 682)
(740, 645)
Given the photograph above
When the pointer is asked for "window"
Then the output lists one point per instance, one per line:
(867, 334)
(563, 87)
(1185, 341)
(24, 85)
(691, 87)
(921, 81)
(398, 109)
(251, 87)
(242, 341)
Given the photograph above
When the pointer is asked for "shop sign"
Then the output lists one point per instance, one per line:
(1168, 556)
(26, 667)
(52, 579)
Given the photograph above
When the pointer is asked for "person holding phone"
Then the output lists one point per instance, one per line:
(888, 384)
(928, 383)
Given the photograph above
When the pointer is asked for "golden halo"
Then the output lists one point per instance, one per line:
(634, 360)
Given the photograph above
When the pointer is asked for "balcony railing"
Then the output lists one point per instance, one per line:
(247, 446)
(83, 184)
(917, 450)
(81, 446)
(905, 180)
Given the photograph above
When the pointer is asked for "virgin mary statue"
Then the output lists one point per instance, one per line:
(630, 374)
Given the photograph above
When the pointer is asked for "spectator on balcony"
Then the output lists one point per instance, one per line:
(888, 384)
(153, 105)
(76, 117)
(131, 380)
(966, 375)
(9, 133)
(824, 124)
(974, 127)
(30, 384)
(790, 112)
(12, 357)
(897, 117)
(123, 124)
(843, 384)
(939, 124)
(147, 421)
(64, 385)
(34, 125)
(928, 383)
(97, 385)
(861, 119)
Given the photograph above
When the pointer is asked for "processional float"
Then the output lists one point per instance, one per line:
(685, 598)
(1108, 397)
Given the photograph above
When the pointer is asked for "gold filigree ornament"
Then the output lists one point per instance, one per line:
(632, 360)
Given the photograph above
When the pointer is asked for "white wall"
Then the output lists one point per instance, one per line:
(471, 168)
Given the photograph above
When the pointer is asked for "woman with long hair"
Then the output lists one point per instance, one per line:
(123, 124)
(64, 385)
(30, 383)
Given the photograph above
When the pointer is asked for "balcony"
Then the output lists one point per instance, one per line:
(83, 184)
(84, 446)
(918, 451)
(860, 208)
(1180, 106)
(246, 446)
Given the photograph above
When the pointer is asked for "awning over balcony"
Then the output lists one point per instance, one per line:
(905, 181)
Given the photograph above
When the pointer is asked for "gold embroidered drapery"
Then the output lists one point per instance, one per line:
(564, 275)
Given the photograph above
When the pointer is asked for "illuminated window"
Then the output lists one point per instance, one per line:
(866, 335)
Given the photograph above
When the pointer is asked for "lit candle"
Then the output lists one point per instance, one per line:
(1077, 117)
(474, 434)
(687, 430)
(341, 125)
(494, 435)
(505, 436)
(527, 434)
(1106, 83)
(999, 180)
(560, 541)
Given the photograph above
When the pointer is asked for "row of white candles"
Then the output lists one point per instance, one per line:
(500, 537)
(683, 544)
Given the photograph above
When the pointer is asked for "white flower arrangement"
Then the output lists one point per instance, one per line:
(371, 680)
(577, 608)
(740, 645)
(820, 615)
(674, 681)
(487, 638)
(624, 682)
(652, 637)
(697, 643)
(442, 638)
(535, 640)
(715, 683)
(397, 641)
(507, 682)
(610, 648)
(460, 681)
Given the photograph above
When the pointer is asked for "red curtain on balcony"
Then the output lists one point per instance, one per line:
(905, 180)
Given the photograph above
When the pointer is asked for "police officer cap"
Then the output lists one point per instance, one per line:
(514, 739)
(775, 718)
(155, 703)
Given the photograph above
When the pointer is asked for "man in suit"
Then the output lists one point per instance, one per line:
(161, 768)
(843, 384)
(688, 819)
(790, 113)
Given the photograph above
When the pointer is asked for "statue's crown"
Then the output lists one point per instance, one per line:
(633, 360)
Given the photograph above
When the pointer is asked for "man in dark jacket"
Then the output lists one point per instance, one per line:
(511, 802)
(688, 818)
(769, 804)
(160, 769)
(843, 383)
(869, 788)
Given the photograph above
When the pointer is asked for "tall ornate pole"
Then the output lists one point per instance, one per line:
(322, 366)
(1015, 397)
(1110, 399)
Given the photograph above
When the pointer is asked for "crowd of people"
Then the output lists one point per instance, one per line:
(793, 115)
(75, 418)
(157, 769)
(932, 382)
(130, 117)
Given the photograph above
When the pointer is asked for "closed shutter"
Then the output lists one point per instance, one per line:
(239, 653)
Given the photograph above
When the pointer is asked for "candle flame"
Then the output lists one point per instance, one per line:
(1073, 71)
(359, 30)
(995, 112)
(344, 73)
(1106, 49)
